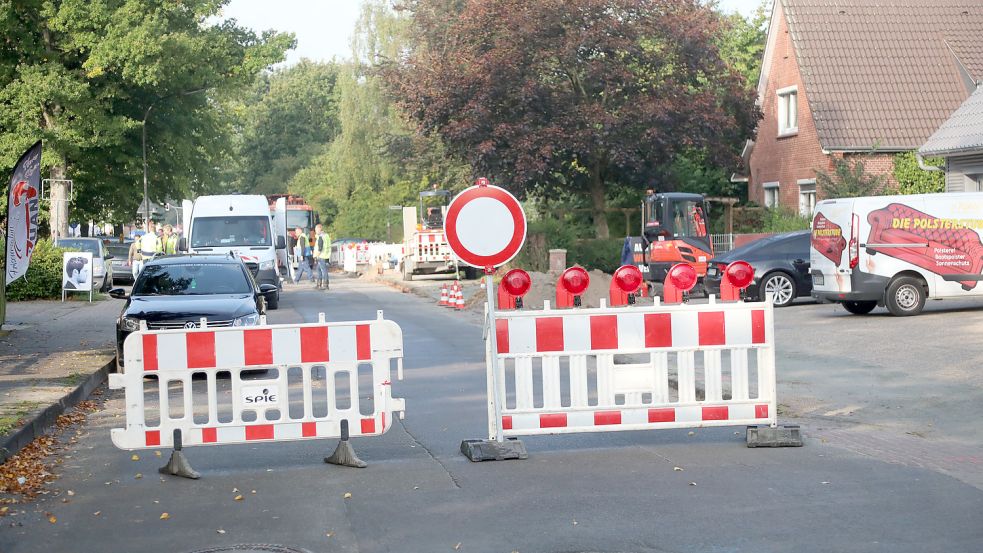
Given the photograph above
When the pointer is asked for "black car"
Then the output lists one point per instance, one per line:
(781, 267)
(176, 292)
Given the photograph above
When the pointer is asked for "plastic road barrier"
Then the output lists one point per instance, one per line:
(321, 380)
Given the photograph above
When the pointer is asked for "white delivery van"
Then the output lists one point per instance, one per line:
(896, 251)
(240, 225)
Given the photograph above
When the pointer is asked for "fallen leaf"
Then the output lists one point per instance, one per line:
(220, 531)
(253, 491)
(235, 490)
(691, 433)
(97, 513)
(330, 534)
(348, 495)
(71, 493)
(3, 511)
(138, 476)
(52, 519)
(164, 516)
(135, 457)
(238, 498)
(677, 469)
(157, 453)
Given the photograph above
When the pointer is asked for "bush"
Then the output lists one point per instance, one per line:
(783, 219)
(43, 278)
(912, 179)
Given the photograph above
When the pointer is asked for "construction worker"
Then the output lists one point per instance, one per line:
(302, 251)
(149, 242)
(167, 244)
(135, 259)
(322, 253)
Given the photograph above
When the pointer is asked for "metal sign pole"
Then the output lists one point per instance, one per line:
(493, 357)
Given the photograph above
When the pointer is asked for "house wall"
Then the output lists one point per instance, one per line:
(789, 159)
(958, 171)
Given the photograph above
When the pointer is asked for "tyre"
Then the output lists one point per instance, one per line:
(859, 307)
(273, 302)
(905, 296)
(781, 286)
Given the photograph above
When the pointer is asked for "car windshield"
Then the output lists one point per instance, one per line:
(79, 245)
(211, 232)
(191, 279)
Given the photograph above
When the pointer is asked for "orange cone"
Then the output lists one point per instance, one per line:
(460, 298)
(443, 296)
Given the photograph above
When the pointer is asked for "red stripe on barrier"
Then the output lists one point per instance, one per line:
(258, 346)
(662, 415)
(502, 335)
(259, 432)
(758, 326)
(761, 411)
(314, 344)
(152, 437)
(368, 426)
(604, 332)
(383, 423)
(711, 327)
(363, 342)
(549, 334)
(658, 330)
(715, 413)
(558, 420)
(308, 429)
(201, 349)
(209, 435)
(506, 422)
(607, 417)
(150, 352)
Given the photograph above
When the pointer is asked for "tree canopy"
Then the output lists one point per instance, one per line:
(577, 94)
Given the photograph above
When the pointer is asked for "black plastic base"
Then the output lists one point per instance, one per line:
(492, 450)
(779, 436)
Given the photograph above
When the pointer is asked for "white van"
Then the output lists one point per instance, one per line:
(896, 251)
(240, 225)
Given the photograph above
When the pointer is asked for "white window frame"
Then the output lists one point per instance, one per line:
(787, 108)
(807, 196)
(771, 193)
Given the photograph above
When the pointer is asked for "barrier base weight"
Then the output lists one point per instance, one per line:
(344, 455)
(492, 450)
(178, 465)
(778, 436)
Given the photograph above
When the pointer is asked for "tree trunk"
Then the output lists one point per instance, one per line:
(598, 203)
(59, 202)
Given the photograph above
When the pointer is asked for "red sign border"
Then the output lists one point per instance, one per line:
(518, 234)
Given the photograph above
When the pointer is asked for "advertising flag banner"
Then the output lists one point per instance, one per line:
(22, 212)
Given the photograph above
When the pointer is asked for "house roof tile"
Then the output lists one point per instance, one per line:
(885, 73)
(962, 132)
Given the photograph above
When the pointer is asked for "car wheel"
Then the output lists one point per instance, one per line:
(273, 302)
(859, 307)
(905, 296)
(781, 286)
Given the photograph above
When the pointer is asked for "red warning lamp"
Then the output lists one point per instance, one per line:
(516, 282)
(740, 274)
(628, 278)
(682, 276)
(575, 280)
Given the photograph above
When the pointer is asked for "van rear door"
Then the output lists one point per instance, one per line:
(829, 254)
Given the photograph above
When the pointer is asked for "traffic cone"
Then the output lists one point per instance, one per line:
(443, 296)
(460, 297)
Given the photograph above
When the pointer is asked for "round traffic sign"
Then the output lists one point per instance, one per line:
(485, 226)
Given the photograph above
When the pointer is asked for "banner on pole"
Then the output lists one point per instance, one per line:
(22, 212)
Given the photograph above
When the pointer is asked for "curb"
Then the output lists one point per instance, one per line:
(44, 420)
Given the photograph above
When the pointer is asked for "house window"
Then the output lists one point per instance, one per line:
(788, 110)
(974, 183)
(771, 194)
(807, 197)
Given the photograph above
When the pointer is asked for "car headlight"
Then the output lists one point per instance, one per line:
(266, 265)
(249, 320)
(129, 324)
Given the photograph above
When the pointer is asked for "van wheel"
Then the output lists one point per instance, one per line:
(905, 297)
(781, 286)
(274, 301)
(859, 307)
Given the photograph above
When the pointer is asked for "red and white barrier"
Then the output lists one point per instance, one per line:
(304, 359)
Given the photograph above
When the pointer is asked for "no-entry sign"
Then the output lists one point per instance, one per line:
(485, 225)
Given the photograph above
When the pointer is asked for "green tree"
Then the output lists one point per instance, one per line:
(849, 179)
(576, 94)
(83, 75)
(742, 42)
(912, 179)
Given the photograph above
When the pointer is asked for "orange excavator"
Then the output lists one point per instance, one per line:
(674, 230)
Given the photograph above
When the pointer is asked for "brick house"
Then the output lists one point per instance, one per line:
(845, 78)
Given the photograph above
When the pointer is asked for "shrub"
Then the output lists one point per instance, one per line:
(783, 219)
(912, 179)
(43, 278)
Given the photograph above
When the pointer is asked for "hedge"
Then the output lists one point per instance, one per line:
(43, 278)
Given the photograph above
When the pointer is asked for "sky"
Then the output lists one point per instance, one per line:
(324, 27)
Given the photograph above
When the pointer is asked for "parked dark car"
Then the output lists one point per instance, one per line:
(176, 292)
(781, 267)
(102, 269)
(121, 266)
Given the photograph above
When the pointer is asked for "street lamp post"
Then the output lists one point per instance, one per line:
(146, 114)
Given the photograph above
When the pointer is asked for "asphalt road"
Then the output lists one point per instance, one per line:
(859, 385)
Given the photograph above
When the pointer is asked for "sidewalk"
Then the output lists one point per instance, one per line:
(52, 355)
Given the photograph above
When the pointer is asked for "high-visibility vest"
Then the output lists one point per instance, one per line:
(167, 244)
(322, 246)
